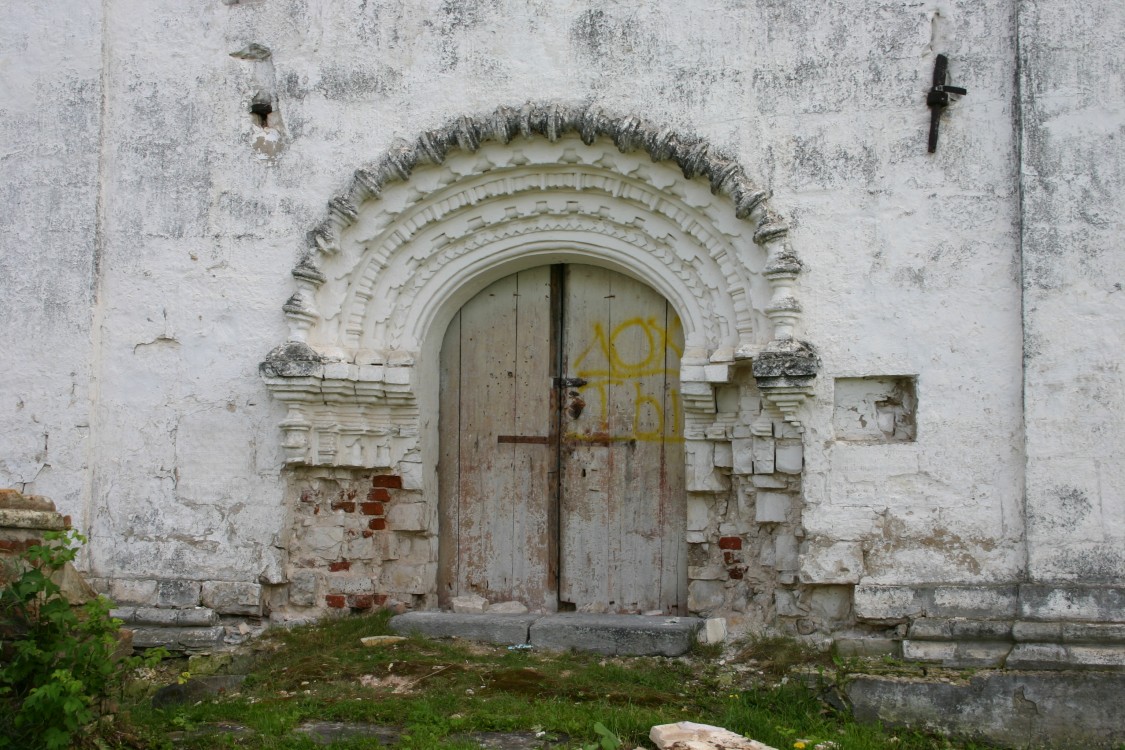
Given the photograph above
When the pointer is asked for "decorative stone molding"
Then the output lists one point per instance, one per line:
(785, 370)
(437, 219)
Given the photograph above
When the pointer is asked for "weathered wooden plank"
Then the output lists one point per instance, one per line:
(488, 333)
(637, 368)
(584, 513)
(673, 589)
(449, 465)
(533, 463)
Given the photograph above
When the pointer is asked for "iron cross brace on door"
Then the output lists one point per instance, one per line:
(938, 97)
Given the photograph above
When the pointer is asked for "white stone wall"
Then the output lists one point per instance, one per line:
(149, 228)
(50, 120)
(1073, 145)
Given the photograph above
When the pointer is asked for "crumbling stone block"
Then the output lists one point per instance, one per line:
(789, 457)
(705, 596)
(772, 507)
(886, 602)
(763, 455)
(833, 603)
(233, 597)
(303, 585)
(742, 459)
(409, 516)
(178, 593)
(832, 562)
(407, 579)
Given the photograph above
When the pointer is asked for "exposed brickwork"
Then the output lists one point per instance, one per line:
(336, 601)
(16, 546)
(343, 538)
(730, 542)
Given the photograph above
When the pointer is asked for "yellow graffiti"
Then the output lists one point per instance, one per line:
(634, 353)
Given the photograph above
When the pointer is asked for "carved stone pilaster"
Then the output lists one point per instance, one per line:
(785, 371)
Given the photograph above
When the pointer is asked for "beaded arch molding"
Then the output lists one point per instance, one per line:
(321, 364)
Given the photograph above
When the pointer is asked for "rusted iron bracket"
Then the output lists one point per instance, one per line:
(938, 97)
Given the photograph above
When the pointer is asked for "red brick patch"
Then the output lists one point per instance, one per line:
(378, 495)
(380, 599)
(16, 545)
(345, 505)
(336, 601)
(378, 524)
(392, 481)
(339, 565)
(371, 509)
(368, 533)
(361, 601)
(735, 574)
(730, 542)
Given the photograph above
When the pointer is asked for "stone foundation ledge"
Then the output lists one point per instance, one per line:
(140, 595)
(1023, 709)
(1022, 631)
(613, 635)
(989, 653)
(1034, 602)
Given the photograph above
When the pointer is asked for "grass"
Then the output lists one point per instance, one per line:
(437, 691)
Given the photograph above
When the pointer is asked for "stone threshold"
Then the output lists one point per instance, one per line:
(613, 635)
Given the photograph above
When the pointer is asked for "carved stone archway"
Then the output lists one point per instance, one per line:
(436, 220)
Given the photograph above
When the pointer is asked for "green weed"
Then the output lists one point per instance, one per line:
(58, 668)
(436, 693)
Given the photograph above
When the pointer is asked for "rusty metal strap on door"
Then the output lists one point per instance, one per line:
(526, 439)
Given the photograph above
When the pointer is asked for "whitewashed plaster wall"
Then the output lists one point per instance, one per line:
(144, 161)
(50, 104)
(1072, 66)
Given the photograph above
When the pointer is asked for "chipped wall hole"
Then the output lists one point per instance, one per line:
(875, 409)
(260, 112)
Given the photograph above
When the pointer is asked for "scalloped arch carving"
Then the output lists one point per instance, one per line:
(434, 221)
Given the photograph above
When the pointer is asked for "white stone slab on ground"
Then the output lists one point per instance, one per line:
(687, 735)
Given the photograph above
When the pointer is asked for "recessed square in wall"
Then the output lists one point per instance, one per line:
(875, 409)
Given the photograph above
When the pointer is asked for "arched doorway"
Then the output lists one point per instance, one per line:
(434, 221)
(561, 474)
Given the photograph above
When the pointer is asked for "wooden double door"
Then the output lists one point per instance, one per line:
(561, 469)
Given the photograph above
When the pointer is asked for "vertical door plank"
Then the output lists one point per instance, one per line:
(637, 358)
(533, 462)
(449, 427)
(584, 502)
(673, 593)
(488, 333)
